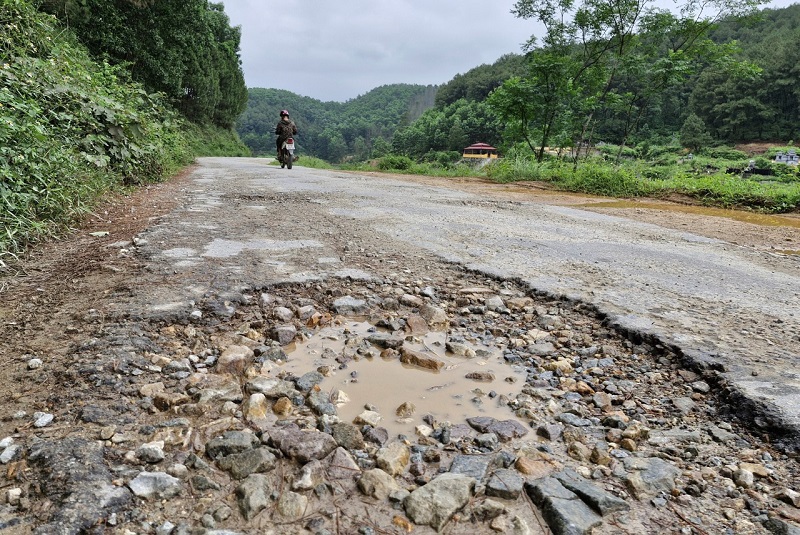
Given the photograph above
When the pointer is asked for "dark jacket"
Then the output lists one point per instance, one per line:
(285, 130)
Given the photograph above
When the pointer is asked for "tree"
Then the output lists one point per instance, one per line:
(457, 138)
(538, 108)
(450, 128)
(185, 49)
(623, 53)
(694, 134)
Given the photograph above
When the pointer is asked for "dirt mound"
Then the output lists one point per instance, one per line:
(755, 149)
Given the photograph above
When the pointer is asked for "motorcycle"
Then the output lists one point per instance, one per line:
(287, 153)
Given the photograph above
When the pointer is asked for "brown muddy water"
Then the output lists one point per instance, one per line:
(386, 384)
(767, 220)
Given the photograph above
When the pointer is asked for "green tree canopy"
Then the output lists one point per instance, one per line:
(185, 49)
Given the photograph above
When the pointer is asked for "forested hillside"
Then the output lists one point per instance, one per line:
(762, 107)
(103, 95)
(735, 78)
(334, 130)
(477, 83)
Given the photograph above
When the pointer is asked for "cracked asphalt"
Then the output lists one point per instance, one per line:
(728, 307)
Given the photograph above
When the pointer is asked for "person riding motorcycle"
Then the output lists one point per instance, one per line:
(284, 130)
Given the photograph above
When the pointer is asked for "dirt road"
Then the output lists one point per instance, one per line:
(213, 297)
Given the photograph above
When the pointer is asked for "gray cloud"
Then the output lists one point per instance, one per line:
(340, 50)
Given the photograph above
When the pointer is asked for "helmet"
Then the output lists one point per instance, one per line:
(284, 112)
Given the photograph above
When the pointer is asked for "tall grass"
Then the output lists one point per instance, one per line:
(405, 165)
(703, 179)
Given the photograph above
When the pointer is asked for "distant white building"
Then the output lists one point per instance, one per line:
(790, 158)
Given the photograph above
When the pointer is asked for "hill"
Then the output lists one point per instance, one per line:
(334, 130)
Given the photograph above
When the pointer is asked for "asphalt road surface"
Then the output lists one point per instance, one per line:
(731, 308)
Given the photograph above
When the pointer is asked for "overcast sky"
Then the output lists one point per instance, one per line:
(338, 50)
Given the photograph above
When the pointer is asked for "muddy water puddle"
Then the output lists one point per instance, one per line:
(766, 220)
(388, 383)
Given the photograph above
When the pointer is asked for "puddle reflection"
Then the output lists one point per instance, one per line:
(767, 220)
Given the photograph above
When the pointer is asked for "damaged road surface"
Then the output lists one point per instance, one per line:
(256, 351)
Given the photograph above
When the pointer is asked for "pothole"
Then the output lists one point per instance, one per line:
(419, 376)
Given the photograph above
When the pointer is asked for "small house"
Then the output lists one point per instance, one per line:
(790, 158)
(480, 150)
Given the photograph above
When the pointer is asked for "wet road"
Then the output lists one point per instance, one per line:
(727, 306)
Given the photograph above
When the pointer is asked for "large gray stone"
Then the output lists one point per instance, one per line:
(241, 465)
(675, 436)
(291, 506)
(599, 500)
(311, 475)
(253, 495)
(504, 429)
(562, 509)
(347, 436)
(320, 403)
(377, 484)
(648, 476)
(349, 305)
(778, 526)
(230, 443)
(283, 334)
(271, 387)
(474, 466)
(74, 474)
(155, 485)
(234, 359)
(435, 504)
(308, 380)
(341, 465)
(506, 484)
(302, 445)
(393, 458)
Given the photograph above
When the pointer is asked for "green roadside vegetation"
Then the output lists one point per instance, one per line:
(310, 162)
(705, 179)
(719, 176)
(74, 127)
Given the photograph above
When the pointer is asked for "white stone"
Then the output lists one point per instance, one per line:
(339, 398)
(42, 419)
(13, 496)
(155, 485)
(152, 452)
(423, 430)
(367, 418)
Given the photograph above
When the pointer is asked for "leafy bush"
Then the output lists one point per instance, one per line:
(394, 162)
(724, 153)
(612, 151)
(603, 180)
(443, 158)
(208, 140)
